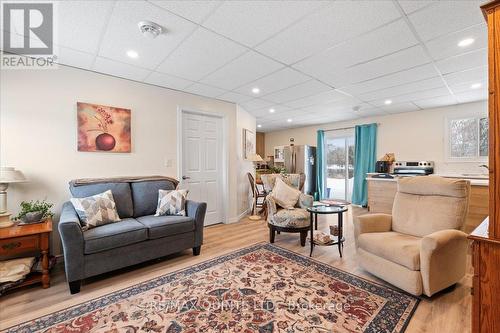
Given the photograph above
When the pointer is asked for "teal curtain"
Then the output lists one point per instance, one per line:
(365, 151)
(320, 165)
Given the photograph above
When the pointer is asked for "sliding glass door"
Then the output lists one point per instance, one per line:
(339, 157)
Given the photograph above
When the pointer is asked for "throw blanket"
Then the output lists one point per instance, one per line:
(133, 179)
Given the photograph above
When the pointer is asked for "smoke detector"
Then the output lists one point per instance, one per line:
(150, 29)
(356, 108)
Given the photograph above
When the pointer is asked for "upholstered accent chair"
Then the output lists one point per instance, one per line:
(295, 180)
(420, 247)
(296, 220)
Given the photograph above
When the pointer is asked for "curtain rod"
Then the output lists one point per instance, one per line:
(345, 128)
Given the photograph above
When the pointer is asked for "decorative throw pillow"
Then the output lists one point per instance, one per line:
(171, 202)
(96, 210)
(285, 195)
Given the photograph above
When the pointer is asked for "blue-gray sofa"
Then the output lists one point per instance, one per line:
(138, 237)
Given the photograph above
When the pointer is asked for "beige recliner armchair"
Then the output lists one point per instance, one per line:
(419, 248)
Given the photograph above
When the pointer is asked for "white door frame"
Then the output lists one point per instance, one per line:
(225, 153)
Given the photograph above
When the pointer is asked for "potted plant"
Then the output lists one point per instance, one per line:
(34, 211)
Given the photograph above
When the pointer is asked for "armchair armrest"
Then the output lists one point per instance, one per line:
(305, 201)
(270, 205)
(443, 256)
(72, 240)
(197, 211)
(371, 223)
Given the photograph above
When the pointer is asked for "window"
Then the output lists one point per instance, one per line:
(467, 138)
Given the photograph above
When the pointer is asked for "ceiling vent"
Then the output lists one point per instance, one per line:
(150, 29)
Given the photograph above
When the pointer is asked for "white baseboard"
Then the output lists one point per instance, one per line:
(238, 218)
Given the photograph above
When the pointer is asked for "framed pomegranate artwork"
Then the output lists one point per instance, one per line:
(103, 128)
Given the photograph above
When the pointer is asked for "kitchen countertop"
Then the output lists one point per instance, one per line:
(473, 181)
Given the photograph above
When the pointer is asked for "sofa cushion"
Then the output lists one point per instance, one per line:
(166, 225)
(110, 236)
(121, 194)
(399, 248)
(171, 202)
(145, 195)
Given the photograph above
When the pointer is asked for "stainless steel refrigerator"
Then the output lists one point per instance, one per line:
(302, 159)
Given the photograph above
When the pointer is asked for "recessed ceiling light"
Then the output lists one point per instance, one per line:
(466, 42)
(255, 90)
(289, 120)
(259, 125)
(132, 54)
(272, 110)
(475, 85)
(387, 102)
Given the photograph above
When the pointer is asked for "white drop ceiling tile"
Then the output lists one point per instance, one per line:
(472, 96)
(279, 80)
(435, 102)
(74, 58)
(251, 22)
(391, 80)
(81, 23)
(445, 17)
(321, 98)
(234, 97)
(377, 43)
(204, 90)
(264, 112)
(372, 111)
(256, 104)
(472, 75)
(402, 89)
(304, 89)
(340, 21)
(168, 81)
(464, 61)
(447, 45)
(194, 10)
(414, 96)
(242, 70)
(399, 108)
(393, 63)
(410, 6)
(286, 114)
(200, 54)
(466, 86)
(122, 34)
(119, 69)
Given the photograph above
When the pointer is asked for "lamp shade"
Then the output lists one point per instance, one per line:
(11, 175)
(254, 158)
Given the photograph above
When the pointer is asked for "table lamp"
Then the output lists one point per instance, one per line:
(254, 158)
(8, 175)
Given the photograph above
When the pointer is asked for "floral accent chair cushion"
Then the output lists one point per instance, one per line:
(297, 217)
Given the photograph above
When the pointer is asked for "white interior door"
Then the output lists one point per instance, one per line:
(202, 162)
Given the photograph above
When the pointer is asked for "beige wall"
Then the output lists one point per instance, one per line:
(415, 135)
(38, 131)
(245, 121)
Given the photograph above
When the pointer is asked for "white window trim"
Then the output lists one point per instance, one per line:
(447, 143)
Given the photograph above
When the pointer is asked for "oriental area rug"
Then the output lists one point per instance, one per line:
(262, 288)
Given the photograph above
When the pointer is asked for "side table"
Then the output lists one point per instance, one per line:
(24, 239)
(339, 210)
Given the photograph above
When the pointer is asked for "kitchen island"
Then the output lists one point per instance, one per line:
(381, 192)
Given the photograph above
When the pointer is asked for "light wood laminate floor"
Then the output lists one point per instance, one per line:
(448, 311)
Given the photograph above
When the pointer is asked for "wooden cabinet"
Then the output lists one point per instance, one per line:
(260, 144)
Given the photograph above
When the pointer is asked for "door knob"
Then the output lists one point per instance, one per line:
(186, 177)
